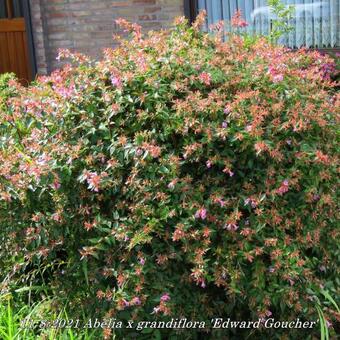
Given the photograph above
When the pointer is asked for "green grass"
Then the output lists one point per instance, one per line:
(11, 322)
(12, 318)
(324, 334)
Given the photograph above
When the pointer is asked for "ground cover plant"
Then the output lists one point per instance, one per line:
(182, 176)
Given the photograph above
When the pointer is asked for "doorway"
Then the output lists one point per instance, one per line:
(15, 42)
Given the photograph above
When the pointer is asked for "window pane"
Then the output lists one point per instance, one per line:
(17, 9)
(3, 10)
(314, 23)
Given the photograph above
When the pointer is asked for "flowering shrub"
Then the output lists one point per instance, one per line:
(181, 176)
(5, 89)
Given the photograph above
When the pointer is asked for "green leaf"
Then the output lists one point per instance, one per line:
(85, 271)
(329, 298)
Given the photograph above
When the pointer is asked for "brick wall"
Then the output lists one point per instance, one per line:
(87, 26)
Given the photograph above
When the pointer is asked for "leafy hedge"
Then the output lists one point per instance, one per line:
(181, 176)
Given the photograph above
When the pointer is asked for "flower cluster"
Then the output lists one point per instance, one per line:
(237, 20)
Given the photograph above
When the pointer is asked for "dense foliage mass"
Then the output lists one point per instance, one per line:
(181, 176)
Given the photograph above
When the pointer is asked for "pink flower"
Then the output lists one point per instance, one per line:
(208, 164)
(316, 197)
(201, 213)
(227, 110)
(136, 301)
(165, 297)
(250, 201)
(205, 78)
(142, 261)
(221, 202)
(329, 324)
(56, 185)
(283, 188)
(171, 185)
(268, 313)
(227, 170)
(94, 181)
(57, 217)
(156, 310)
(237, 21)
(116, 81)
(6, 197)
(278, 78)
(231, 227)
(224, 125)
(66, 92)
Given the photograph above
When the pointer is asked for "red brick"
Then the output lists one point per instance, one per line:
(147, 17)
(144, 2)
(88, 25)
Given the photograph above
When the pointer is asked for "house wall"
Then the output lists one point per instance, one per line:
(87, 26)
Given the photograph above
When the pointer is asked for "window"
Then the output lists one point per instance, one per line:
(3, 9)
(17, 9)
(11, 9)
(314, 23)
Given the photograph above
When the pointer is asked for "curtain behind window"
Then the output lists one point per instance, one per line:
(3, 9)
(315, 23)
(17, 9)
